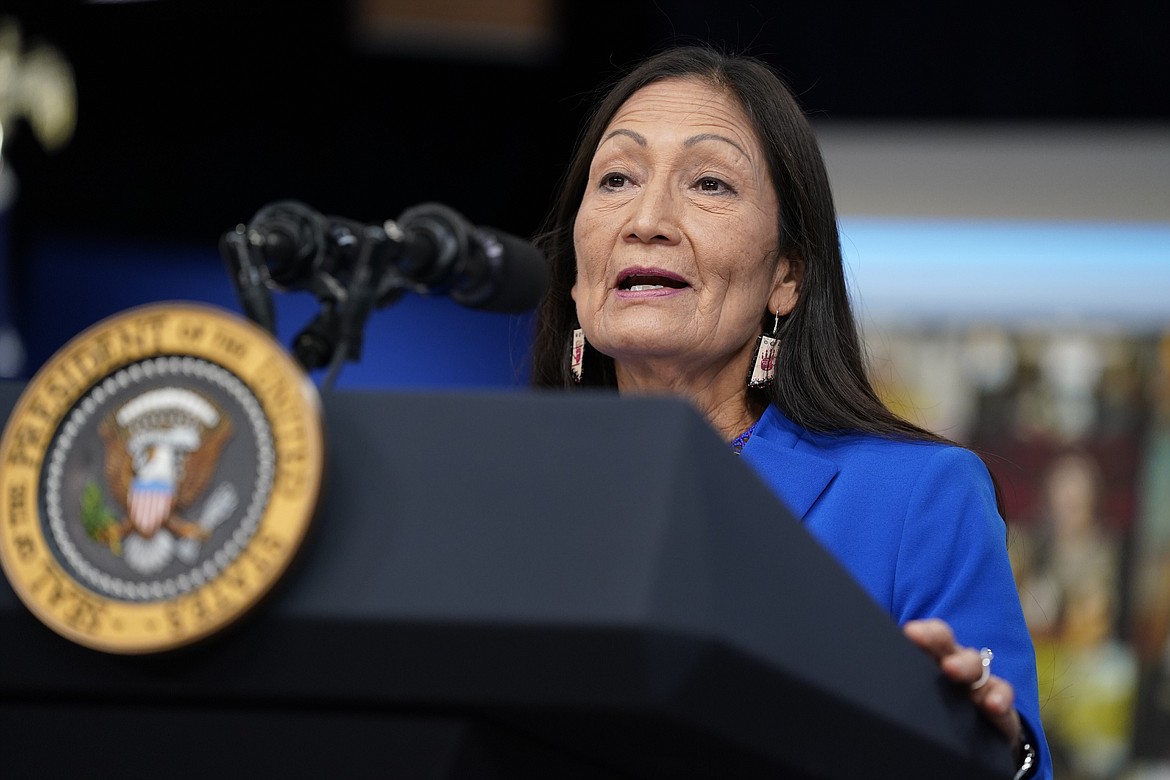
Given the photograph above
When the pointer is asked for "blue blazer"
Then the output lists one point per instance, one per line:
(917, 525)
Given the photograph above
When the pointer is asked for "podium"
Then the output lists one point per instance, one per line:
(514, 585)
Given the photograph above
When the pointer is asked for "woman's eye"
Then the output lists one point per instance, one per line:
(711, 184)
(613, 181)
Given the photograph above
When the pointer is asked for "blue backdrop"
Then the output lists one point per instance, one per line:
(418, 342)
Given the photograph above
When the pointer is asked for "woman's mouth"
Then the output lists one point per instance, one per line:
(638, 280)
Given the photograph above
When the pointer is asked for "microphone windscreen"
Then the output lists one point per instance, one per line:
(521, 274)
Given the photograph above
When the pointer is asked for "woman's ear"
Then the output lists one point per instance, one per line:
(786, 291)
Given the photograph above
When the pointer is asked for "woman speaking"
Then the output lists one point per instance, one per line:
(694, 251)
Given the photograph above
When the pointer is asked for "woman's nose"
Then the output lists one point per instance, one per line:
(654, 216)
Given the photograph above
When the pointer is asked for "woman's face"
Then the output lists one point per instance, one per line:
(676, 237)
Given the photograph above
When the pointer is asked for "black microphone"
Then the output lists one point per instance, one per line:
(352, 267)
(477, 267)
(290, 239)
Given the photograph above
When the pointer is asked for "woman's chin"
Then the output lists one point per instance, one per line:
(636, 344)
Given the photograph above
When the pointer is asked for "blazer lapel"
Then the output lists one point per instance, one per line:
(797, 477)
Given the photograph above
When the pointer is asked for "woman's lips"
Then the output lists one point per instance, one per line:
(649, 292)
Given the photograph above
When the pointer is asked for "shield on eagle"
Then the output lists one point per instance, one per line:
(150, 504)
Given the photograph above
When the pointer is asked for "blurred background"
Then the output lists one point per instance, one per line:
(1002, 172)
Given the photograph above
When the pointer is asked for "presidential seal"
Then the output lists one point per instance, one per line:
(157, 476)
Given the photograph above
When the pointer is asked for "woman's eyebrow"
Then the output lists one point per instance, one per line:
(639, 139)
(694, 139)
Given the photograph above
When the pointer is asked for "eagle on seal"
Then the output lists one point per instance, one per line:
(161, 451)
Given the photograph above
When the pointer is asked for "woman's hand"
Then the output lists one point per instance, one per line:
(994, 697)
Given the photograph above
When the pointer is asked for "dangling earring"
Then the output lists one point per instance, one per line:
(577, 354)
(764, 359)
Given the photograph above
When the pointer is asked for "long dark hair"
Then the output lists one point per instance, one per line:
(821, 381)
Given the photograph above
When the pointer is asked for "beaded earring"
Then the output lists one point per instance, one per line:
(764, 359)
(577, 355)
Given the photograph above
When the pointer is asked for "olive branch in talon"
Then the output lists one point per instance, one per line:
(98, 519)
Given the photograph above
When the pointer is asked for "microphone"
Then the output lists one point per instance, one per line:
(290, 238)
(299, 248)
(352, 268)
(430, 247)
(478, 267)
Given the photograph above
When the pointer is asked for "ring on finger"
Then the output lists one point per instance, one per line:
(985, 656)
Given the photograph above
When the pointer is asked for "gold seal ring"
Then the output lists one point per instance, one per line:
(157, 477)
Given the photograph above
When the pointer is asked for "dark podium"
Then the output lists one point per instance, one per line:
(512, 586)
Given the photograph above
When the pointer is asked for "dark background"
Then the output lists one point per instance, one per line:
(194, 114)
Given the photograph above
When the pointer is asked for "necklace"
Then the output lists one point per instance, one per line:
(738, 442)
